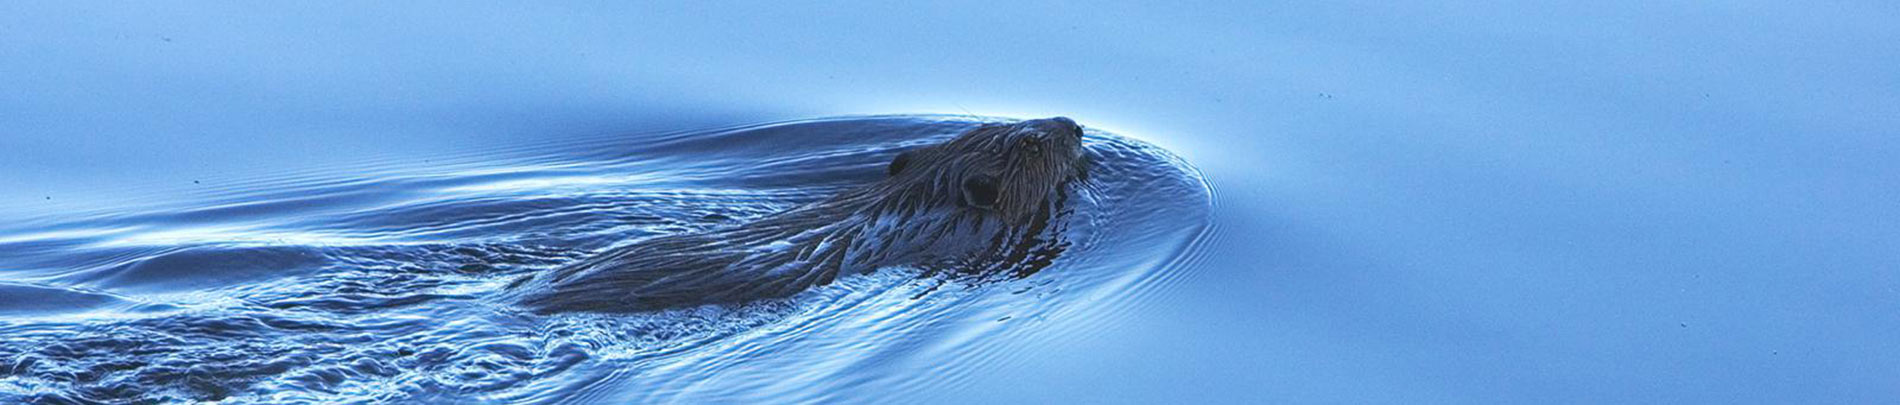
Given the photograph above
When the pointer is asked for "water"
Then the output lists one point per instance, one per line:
(384, 284)
(1612, 202)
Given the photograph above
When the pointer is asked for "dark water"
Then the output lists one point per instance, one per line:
(377, 281)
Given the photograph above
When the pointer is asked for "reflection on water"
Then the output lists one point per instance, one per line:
(381, 284)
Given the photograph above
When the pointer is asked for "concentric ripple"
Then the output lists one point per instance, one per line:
(378, 284)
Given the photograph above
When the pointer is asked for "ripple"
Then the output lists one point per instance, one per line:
(17, 298)
(380, 284)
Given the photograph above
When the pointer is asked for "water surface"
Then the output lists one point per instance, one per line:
(384, 281)
(1447, 202)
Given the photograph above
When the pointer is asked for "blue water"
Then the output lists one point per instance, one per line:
(388, 283)
(1604, 202)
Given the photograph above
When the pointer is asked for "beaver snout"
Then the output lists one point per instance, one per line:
(1061, 126)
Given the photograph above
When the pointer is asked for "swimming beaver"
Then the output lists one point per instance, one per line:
(981, 196)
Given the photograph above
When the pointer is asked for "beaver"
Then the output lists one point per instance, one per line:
(985, 195)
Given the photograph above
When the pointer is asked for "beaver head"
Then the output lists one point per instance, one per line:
(1011, 170)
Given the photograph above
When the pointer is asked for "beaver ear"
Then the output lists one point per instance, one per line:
(981, 191)
(903, 159)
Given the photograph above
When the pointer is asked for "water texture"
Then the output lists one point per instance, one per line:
(380, 282)
(1407, 202)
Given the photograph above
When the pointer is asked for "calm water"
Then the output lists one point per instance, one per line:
(1489, 202)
